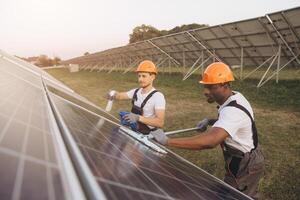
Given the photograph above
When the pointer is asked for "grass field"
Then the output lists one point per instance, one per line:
(276, 108)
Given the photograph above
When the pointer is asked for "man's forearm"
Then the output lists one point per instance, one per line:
(156, 122)
(121, 96)
(195, 142)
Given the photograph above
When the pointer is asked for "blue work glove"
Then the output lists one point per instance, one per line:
(160, 136)
(202, 125)
(131, 118)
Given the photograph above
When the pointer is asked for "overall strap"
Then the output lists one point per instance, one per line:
(134, 98)
(254, 129)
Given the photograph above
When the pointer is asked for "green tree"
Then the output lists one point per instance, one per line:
(43, 61)
(143, 32)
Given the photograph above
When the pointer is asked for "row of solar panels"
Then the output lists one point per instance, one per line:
(250, 41)
(54, 144)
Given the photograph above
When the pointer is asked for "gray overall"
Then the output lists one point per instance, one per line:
(244, 170)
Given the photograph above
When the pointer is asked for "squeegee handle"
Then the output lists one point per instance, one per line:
(177, 131)
(181, 131)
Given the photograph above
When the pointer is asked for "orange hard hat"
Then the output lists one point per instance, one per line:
(217, 72)
(147, 66)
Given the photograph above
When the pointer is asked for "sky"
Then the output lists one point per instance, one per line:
(68, 28)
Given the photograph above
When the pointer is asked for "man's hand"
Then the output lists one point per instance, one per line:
(202, 125)
(160, 136)
(131, 118)
(111, 95)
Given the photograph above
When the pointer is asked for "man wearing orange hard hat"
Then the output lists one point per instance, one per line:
(148, 104)
(234, 131)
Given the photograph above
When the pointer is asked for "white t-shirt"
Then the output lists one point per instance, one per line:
(156, 102)
(237, 123)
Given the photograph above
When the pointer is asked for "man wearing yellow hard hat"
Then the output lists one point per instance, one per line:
(148, 104)
(234, 131)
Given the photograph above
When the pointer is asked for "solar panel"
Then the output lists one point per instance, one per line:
(29, 164)
(258, 38)
(125, 168)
